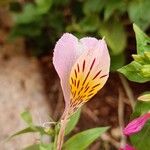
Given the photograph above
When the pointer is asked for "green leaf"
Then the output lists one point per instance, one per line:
(141, 139)
(133, 72)
(141, 107)
(113, 6)
(45, 146)
(73, 120)
(26, 130)
(43, 6)
(142, 40)
(26, 116)
(89, 23)
(39, 147)
(82, 140)
(29, 130)
(28, 15)
(139, 13)
(33, 147)
(115, 36)
(94, 6)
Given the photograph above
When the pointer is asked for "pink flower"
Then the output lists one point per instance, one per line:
(127, 147)
(136, 125)
(83, 67)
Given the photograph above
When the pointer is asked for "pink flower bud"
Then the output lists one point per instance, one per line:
(127, 147)
(136, 125)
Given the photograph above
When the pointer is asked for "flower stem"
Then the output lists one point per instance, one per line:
(63, 124)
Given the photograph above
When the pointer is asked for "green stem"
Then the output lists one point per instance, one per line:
(128, 90)
(63, 124)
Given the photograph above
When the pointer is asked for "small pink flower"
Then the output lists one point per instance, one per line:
(136, 125)
(127, 147)
(83, 67)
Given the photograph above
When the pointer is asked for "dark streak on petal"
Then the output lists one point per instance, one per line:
(83, 66)
(78, 83)
(89, 71)
(95, 86)
(90, 94)
(91, 90)
(75, 82)
(86, 85)
(78, 68)
(92, 64)
(74, 94)
(103, 76)
(86, 89)
(72, 80)
(75, 73)
(83, 96)
(97, 74)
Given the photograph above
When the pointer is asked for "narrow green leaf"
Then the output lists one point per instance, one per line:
(39, 147)
(73, 120)
(45, 146)
(33, 147)
(82, 140)
(142, 40)
(23, 131)
(29, 130)
(26, 116)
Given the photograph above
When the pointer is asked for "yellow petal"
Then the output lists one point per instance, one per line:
(86, 79)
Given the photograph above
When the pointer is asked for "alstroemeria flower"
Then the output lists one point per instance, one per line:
(136, 125)
(83, 67)
(127, 147)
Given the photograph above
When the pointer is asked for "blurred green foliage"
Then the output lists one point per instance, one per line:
(79, 141)
(42, 22)
(139, 69)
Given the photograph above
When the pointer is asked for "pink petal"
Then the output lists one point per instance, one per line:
(66, 51)
(91, 68)
(136, 125)
(89, 42)
(100, 48)
(127, 147)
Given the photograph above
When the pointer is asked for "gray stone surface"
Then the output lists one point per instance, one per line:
(21, 87)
